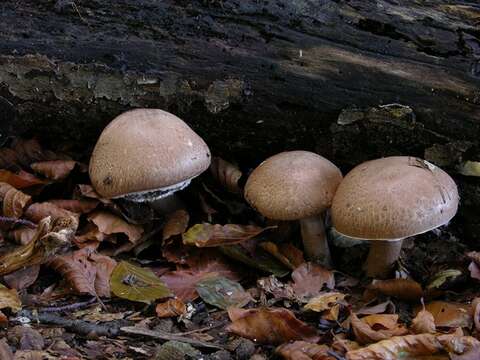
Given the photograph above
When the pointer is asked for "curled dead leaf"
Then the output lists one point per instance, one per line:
(170, 308)
(206, 235)
(328, 302)
(39, 211)
(423, 323)
(9, 299)
(457, 344)
(397, 347)
(373, 328)
(309, 279)
(404, 289)
(49, 239)
(54, 169)
(226, 174)
(270, 325)
(14, 201)
(109, 223)
(20, 180)
(176, 224)
(302, 350)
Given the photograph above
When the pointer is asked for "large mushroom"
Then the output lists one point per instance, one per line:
(389, 199)
(145, 155)
(296, 185)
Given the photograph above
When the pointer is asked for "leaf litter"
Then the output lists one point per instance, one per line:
(230, 284)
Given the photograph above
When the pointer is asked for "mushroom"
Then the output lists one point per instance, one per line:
(296, 185)
(389, 199)
(145, 155)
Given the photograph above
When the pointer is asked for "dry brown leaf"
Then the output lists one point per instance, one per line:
(394, 348)
(209, 235)
(183, 282)
(108, 223)
(14, 201)
(373, 328)
(324, 302)
(270, 326)
(54, 169)
(226, 174)
(302, 350)
(171, 308)
(104, 266)
(423, 323)
(85, 271)
(404, 289)
(50, 237)
(309, 279)
(21, 180)
(9, 299)
(82, 206)
(176, 224)
(23, 278)
(39, 211)
(452, 315)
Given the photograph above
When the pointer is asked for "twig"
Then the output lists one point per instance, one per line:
(109, 329)
(198, 330)
(74, 306)
(10, 221)
(164, 336)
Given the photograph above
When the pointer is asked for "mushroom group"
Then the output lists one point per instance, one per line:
(146, 155)
(389, 199)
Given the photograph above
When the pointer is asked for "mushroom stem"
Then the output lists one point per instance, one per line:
(168, 204)
(382, 257)
(315, 240)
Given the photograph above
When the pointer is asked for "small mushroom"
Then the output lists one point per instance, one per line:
(389, 199)
(296, 185)
(145, 155)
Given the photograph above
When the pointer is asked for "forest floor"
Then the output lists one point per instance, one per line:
(88, 278)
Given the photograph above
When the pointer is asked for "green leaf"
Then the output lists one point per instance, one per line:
(441, 277)
(134, 283)
(222, 292)
(259, 259)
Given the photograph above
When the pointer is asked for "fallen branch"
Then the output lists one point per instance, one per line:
(109, 329)
(69, 307)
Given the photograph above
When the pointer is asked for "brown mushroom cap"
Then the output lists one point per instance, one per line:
(145, 150)
(393, 198)
(292, 185)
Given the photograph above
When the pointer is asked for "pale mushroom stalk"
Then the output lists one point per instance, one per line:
(315, 241)
(382, 257)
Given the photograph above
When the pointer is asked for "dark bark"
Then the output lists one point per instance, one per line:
(252, 77)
